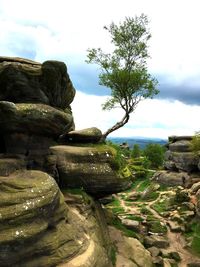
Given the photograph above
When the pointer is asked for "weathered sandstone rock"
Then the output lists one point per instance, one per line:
(10, 165)
(89, 135)
(34, 230)
(38, 229)
(90, 168)
(183, 161)
(130, 252)
(26, 81)
(38, 119)
(180, 146)
(171, 178)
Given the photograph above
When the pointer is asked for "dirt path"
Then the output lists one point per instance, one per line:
(176, 240)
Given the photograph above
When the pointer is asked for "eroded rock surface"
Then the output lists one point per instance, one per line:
(34, 230)
(90, 168)
(39, 229)
(26, 81)
(89, 135)
(130, 252)
(36, 119)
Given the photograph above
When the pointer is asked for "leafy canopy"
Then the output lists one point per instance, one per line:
(124, 70)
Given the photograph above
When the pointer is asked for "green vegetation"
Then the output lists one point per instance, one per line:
(195, 143)
(117, 223)
(161, 206)
(194, 233)
(115, 207)
(155, 226)
(124, 70)
(113, 256)
(136, 151)
(155, 155)
(134, 217)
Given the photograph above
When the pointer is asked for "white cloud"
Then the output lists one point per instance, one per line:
(63, 30)
(152, 118)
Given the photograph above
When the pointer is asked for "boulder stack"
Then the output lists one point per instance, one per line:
(181, 163)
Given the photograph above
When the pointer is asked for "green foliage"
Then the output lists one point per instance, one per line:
(119, 161)
(195, 143)
(136, 151)
(194, 233)
(155, 154)
(124, 70)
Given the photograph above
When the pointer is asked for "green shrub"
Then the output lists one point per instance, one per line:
(155, 154)
(136, 151)
(195, 143)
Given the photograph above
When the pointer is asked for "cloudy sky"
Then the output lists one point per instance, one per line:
(65, 29)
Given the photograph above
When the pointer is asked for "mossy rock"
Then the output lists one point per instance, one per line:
(36, 119)
(89, 168)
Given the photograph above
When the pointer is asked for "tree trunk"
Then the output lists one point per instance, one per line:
(115, 127)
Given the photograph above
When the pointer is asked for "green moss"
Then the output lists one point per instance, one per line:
(113, 255)
(117, 223)
(161, 206)
(155, 225)
(115, 207)
(134, 217)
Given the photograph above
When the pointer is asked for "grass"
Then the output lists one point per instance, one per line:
(134, 217)
(143, 185)
(115, 207)
(155, 225)
(194, 233)
(129, 233)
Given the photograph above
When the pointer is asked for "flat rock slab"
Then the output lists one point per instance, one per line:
(89, 135)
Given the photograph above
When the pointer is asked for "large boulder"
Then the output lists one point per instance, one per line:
(183, 161)
(180, 146)
(38, 119)
(171, 178)
(89, 135)
(89, 167)
(38, 229)
(26, 81)
(34, 230)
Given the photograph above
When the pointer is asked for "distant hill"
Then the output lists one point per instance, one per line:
(142, 142)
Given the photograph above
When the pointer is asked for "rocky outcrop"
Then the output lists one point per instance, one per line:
(91, 168)
(181, 164)
(26, 81)
(39, 229)
(39, 226)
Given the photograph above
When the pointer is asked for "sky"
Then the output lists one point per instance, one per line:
(64, 29)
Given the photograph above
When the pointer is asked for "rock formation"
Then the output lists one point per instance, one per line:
(181, 164)
(39, 226)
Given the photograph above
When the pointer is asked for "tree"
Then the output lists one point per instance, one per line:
(155, 154)
(124, 70)
(195, 143)
(136, 152)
